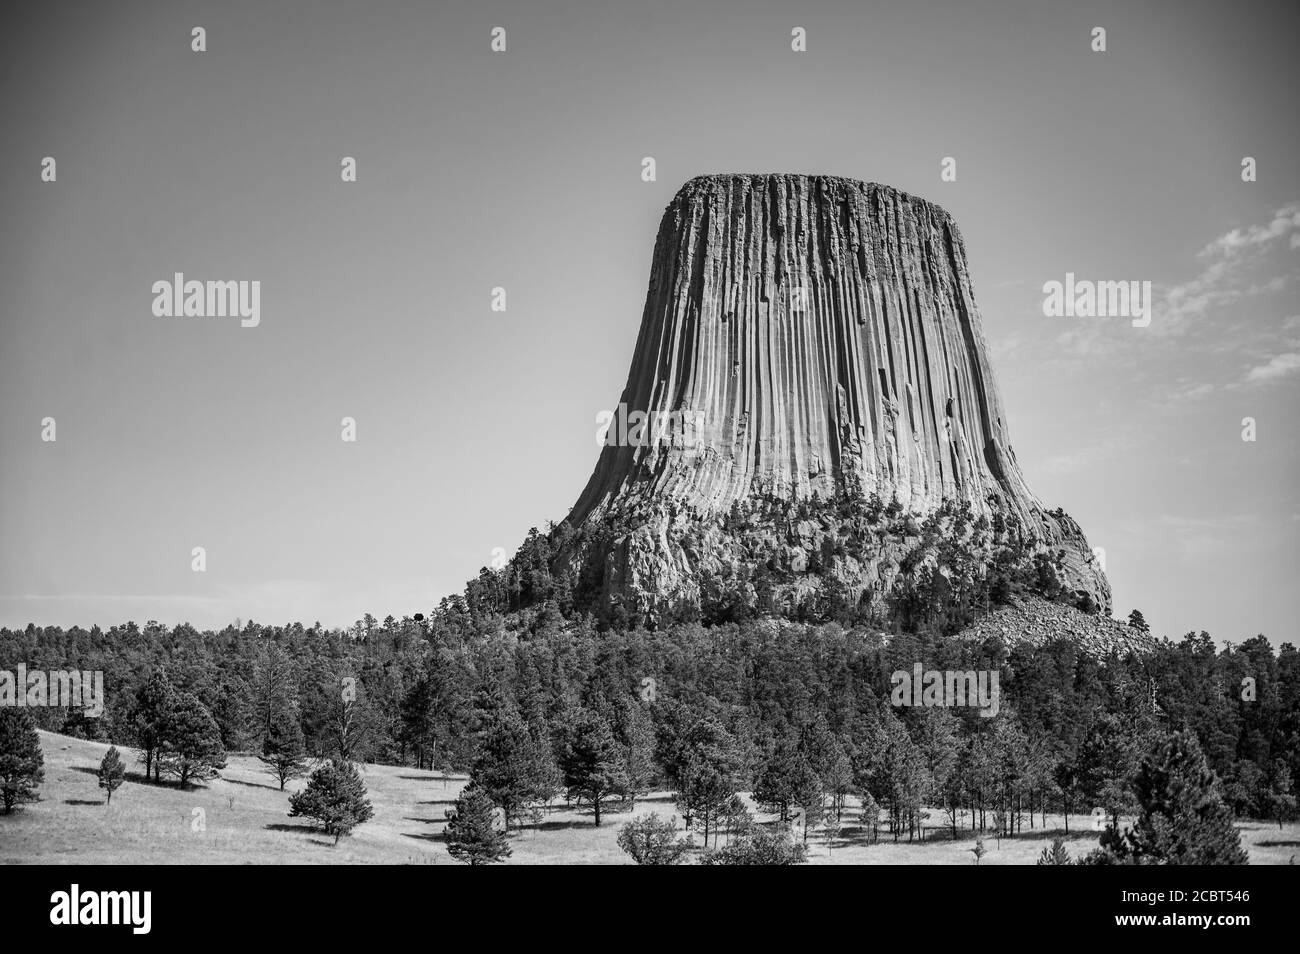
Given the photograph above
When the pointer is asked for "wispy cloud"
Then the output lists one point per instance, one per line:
(1229, 272)
(1285, 223)
(1280, 366)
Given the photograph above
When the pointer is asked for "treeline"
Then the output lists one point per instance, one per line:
(537, 705)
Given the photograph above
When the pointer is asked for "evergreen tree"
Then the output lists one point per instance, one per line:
(705, 769)
(779, 774)
(472, 836)
(870, 816)
(284, 751)
(21, 762)
(1280, 798)
(1058, 854)
(635, 733)
(1182, 820)
(419, 726)
(810, 796)
(191, 742)
(591, 761)
(111, 773)
(153, 702)
(335, 797)
(1106, 762)
(511, 767)
(274, 690)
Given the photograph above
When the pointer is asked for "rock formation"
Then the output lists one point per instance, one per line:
(804, 338)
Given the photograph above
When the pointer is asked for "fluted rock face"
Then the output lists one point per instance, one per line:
(804, 336)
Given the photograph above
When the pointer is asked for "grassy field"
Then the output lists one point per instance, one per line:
(243, 818)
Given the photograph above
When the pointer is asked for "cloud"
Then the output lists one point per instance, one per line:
(1190, 391)
(1278, 367)
(1285, 222)
(1227, 273)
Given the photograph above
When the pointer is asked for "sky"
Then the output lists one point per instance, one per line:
(522, 170)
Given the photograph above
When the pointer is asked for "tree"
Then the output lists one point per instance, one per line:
(153, 702)
(635, 733)
(902, 774)
(191, 742)
(1138, 621)
(1182, 820)
(511, 767)
(652, 841)
(832, 830)
(335, 797)
(21, 762)
(979, 851)
(274, 690)
(704, 768)
(870, 816)
(1279, 798)
(810, 796)
(111, 773)
(591, 760)
(1056, 855)
(762, 846)
(285, 751)
(419, 728)
(472, 836)
(781, 770)
(1106, 761)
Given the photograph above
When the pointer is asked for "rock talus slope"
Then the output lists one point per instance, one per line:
(803, 337)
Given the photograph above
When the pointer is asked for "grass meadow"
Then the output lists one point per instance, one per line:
(243, 818)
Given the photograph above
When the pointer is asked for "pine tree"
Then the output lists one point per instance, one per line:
(704, 766)
(418, 723)
(1056, 855)
(591, 761)
(511, 767)
(274, 690)
(870, 817)
(190, 747)
(1182, 820)
(635, 734)
(21, 762)
(1280, 799)
(472, 836)
(779, 775)
(1105, 763)
(810, 796)
(111, 773)
(153, 702)
(284, 751)
(335, 797)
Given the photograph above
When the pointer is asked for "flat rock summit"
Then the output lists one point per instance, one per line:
(805, 339)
